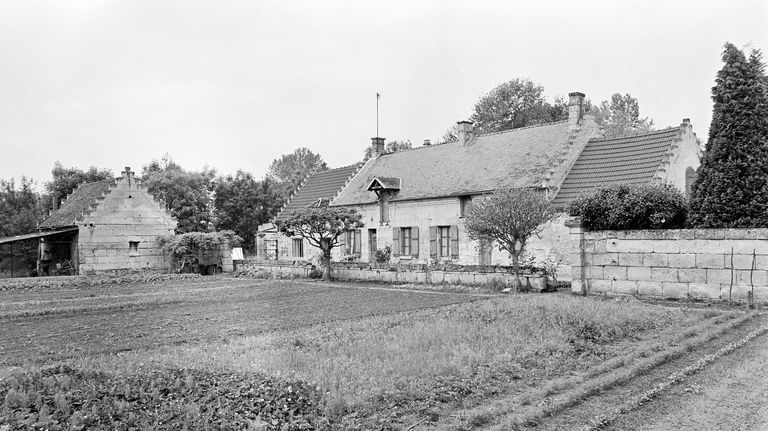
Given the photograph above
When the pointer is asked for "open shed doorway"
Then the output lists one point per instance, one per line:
(58, 254)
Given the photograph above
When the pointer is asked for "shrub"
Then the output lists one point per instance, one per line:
(185, 249)
(622, 207)
(383, 255)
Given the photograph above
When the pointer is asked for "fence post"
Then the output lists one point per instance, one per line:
(576, 238)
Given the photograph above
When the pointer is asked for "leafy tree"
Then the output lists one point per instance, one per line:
(185, 249)
(187, 195)
(20, 209)
(390, 147)
(731, 188)
(322, 227)
(241, 203)
(516, 103)
(623, 207)
(65, 180)
(509, 217)
(291, 169)
(621, 116)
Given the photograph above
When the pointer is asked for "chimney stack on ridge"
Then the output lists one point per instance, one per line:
(377, 146)
(575, 109)
(465, 132)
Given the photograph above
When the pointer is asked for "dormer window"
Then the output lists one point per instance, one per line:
(384, 188)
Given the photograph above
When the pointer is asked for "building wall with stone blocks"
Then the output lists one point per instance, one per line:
(121, 230)
(714, 264)
(551, 241)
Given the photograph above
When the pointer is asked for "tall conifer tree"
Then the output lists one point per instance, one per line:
(731, 188)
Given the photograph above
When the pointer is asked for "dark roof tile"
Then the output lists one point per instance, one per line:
(76, 204)
(320, 185)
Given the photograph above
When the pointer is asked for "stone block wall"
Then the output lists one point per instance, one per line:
(715, 264)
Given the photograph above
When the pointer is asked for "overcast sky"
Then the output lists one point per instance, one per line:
(235, 84)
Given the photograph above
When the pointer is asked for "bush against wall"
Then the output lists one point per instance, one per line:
(731, 188)
(185, 249)
(624, 207)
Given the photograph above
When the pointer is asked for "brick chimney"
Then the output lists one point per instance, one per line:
(575, 108)
(129, 175)
(465, 132)
(377, 146)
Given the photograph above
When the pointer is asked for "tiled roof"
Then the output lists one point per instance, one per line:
(321, 185)
(76, 204)
(629, 159)
(516, 158)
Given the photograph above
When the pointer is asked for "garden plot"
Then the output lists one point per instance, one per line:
(354, 357)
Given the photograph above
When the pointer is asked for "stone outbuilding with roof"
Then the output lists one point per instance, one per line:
(104, 226)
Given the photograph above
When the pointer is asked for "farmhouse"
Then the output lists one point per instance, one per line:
(105, 225)
(415, 201)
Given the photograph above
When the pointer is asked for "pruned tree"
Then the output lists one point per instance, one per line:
(322, 227)
(731, 187)
(509, 217)
(621, 116)
(291, 169)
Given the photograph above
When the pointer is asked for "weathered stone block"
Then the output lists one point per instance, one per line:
(714, 261)
(649, 288)
(639, 273)
(673, 289)
(686, 260)
(601, 246)
(704, 291)
(741, 261)
(606, 259)
(745, 277)
(600, 286)
(577, 272)
(631, 245)
(734, 293)
(692, 275)
(761, 294)
(466, 278)
(666, 246)
(718, 276)
(655, 259)
(687, 246)
(625, 287)
(709, 233)
(596, 272)
(664, 274)
(631, 259)
(749, 246)
(615, 272)
(577, 285)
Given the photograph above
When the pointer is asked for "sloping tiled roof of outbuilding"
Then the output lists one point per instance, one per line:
(320, 185)
(631, 159)
(515, 158)
(76, 204)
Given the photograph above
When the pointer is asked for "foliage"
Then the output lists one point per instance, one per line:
(390, 147)
(383, 255)
(516, 103)
(62, 398)
(623, 207)
(322, 227)
(65, 180)
(621, 116)
(185, 249)
(20, 209)
(731, 188)
(241, 203)
(187, 194)
(509, 217)
(291, 169)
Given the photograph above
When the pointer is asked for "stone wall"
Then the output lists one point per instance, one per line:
(419, 274)
(127, 214)
(719, 264)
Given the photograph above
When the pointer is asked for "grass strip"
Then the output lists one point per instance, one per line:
(604, 420)
(581, 387)
(87, 308)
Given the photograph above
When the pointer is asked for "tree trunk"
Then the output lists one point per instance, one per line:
(516, 266)
(327, 265)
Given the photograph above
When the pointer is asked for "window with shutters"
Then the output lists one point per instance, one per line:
(352, 241)
(465, 205)
(405, 241)
(298, 247)
(444, 233)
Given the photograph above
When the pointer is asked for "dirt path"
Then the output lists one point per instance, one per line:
(730, 394)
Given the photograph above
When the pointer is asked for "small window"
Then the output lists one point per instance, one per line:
(133, 248)
(298, 247)
(353, 243)
(405, 241)
(465, 205)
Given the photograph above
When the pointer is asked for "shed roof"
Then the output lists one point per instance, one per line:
(320, 185)
(76, 204)
(629, 159)
(515, 158)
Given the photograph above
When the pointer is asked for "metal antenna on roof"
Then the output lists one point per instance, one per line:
(378, 96)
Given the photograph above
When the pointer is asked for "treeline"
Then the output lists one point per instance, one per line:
(201, 201)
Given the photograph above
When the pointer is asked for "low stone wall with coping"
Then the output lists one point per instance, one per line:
(401, 274)
(709, 264)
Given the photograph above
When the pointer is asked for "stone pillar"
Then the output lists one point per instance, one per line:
(579, 283)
